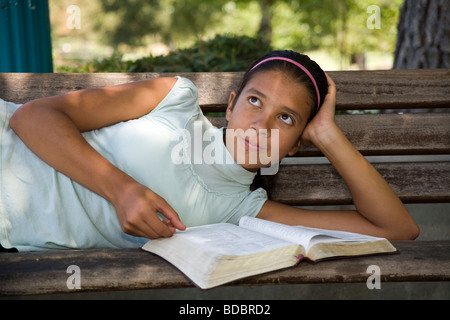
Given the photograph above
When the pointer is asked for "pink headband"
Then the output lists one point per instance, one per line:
(298, 65)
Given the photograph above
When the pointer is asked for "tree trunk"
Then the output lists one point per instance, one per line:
(423, 40)
(265, 26)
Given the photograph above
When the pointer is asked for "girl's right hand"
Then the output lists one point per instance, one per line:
(137, 209)
(322, 126)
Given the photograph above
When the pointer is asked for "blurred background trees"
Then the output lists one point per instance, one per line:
(118, 36)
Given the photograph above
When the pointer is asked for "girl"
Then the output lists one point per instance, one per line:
(102, 172)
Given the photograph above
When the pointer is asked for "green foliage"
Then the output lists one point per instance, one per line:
(335, 26)
(223, 53)
(129, 22)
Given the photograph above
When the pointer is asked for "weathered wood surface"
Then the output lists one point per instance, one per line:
(397, 89)
(131, 269)
(320, 184)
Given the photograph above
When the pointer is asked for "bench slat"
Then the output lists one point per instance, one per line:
(131, 269)
(320, 184)
(389, 134)
(393, 89)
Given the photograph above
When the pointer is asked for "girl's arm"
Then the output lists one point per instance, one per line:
(51, 128)
(379, 211)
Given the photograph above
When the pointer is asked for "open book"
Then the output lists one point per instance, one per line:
(215, 254)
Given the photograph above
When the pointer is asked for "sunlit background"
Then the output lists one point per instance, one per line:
(108, 36)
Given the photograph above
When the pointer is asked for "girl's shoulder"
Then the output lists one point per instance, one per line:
(185, 88)
(183, 97)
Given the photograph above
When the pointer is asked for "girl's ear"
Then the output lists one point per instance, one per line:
(230, 105)
(295, 148)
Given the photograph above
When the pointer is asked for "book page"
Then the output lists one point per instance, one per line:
(302, 235)
(229, 239)
(278, 230)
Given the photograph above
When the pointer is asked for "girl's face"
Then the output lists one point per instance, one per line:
(267, 120)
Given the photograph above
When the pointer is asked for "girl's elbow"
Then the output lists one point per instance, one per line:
(408, 231)
(406, 228)
(15, 120)
(414, 232)
(20, 117)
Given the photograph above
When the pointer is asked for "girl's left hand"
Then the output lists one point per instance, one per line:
(323, 124)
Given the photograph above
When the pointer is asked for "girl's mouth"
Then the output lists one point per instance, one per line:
(251, 144)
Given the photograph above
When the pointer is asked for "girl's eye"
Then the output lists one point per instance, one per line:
(287, 119)
(254, 101)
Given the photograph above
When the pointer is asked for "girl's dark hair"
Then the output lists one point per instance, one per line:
(296, 74)
(293, 71)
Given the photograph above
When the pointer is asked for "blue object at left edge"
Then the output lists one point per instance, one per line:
(25, 39)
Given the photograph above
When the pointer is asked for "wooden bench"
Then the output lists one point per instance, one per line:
(411, 150)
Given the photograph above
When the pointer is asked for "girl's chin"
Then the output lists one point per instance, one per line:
(250, 168)
(254, 167)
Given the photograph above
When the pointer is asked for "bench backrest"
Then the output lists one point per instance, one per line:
(409, 147)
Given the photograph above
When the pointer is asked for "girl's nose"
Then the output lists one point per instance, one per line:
(262, 124)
